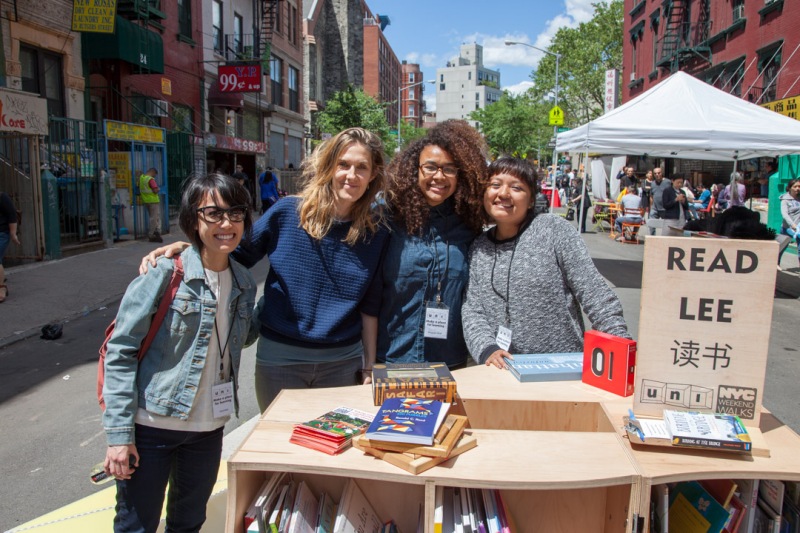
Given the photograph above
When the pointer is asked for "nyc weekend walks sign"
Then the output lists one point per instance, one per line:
(704, 325)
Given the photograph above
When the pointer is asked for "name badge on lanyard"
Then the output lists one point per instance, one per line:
(222, 396)
(436, 318)
(503, 338)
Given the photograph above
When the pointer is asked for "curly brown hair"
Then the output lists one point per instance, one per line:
(466, 146)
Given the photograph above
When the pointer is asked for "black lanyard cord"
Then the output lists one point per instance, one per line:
(437, 272)
(507, 297)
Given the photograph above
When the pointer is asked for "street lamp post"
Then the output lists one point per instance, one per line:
(400, 107)
(555, 128)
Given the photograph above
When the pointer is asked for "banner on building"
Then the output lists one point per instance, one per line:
(786, 106)
(123, 131)
(612, 90)
(94, 16)
(23, 113)
(704, 326)
(239, 78)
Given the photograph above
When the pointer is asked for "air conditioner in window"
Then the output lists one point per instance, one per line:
(633, 76)
(157, 108)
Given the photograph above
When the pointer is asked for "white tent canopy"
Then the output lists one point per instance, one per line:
(683, 117)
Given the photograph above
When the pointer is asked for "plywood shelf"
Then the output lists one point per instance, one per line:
(556, 452)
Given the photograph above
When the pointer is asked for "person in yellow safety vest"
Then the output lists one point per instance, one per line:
(148, 190)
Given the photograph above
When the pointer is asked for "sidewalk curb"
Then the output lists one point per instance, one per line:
(37, 330)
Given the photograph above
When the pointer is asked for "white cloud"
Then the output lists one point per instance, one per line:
(430, 101)
(424, 60)
(519, 88)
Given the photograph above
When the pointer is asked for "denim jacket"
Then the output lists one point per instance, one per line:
(412, 269)
(166, 380)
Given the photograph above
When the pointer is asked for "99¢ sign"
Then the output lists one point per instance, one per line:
(239, 79)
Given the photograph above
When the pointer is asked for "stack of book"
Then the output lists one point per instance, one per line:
(425, 381)
(726, 506)
(284, 505)
(415, 435)
(332, 432)
(463, 510)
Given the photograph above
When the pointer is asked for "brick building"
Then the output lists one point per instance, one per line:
(413, 105)
(745, 48)
(382, 70)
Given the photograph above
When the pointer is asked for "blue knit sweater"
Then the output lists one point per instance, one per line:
(315, 290)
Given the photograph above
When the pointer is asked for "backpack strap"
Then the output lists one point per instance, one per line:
(163, 306)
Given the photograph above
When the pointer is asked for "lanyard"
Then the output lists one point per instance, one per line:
(437, 272)
(507, 297)
(223, 349)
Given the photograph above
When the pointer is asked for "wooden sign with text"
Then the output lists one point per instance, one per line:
(704, 324)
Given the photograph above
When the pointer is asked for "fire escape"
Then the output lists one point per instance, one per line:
(269, 12)
(684, 42)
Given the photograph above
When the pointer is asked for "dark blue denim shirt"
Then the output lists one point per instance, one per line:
(412, 270)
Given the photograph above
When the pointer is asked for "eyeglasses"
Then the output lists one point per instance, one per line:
(213, 214)
(429, 170)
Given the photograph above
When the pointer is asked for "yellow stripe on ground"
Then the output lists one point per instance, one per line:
(95, 513)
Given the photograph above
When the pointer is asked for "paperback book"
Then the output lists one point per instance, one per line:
(716, 431)
(355, 514)
(425, 381)
(331, 432)
(408, 420)
(546, 366)
(693, 510)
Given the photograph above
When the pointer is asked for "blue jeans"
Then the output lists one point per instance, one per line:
(5, 238)
(189, 461)
(794, 235)
(271, 379)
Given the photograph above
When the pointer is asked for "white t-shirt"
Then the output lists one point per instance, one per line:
(631, 201)
(201, 415)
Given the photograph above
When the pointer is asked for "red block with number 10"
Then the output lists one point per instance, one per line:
(609, 362)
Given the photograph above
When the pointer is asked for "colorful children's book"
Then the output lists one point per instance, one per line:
(408, 420)
(326, 514)
(546, 366)
(443, 442)
(331, 432)
(693, 510)
(425, 381)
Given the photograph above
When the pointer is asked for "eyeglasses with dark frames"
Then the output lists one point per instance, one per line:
(430, 169)
(213, 214)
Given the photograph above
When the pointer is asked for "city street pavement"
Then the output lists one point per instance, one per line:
(49, 418)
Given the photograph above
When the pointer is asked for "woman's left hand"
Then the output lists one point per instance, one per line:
(498, 359)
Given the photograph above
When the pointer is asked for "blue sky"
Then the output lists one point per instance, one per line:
(430, 32)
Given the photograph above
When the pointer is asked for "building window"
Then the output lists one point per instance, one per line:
(42, 75)
(182, 118)
(411, 110)
(738, 10)
(276, 83)
(294, 101)
(655, 45)
(410, 77)
(441, 77)
(441, 86)
(477, 96)
(411, 94)
(277, 26)
(216, 23)
(769, 63)
(292, 24)
(733, 79)
(634, 62)
(185, 18)
(238, 26)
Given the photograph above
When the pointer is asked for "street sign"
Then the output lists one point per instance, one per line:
(556, 116)
(562, 129)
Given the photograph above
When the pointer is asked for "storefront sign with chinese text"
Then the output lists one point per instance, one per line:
(123, 131)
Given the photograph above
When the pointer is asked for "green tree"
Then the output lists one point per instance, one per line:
(515, 125)
(587, 51)
(350, 108)
(409, 132)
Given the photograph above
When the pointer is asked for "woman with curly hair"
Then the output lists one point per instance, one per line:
(435, 207)
(322, 293)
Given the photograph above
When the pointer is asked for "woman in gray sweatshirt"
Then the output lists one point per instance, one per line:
(530, 276)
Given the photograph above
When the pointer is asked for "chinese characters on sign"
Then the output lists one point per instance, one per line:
(787, 107)
(612, 90)
(122, 131)
(705, 318)
(239, 78)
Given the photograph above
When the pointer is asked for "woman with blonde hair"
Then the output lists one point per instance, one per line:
(321, 296)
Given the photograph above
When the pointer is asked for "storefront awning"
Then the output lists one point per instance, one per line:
(130, 42)
(217, 98)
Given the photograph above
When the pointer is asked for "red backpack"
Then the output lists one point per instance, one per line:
(163, 307)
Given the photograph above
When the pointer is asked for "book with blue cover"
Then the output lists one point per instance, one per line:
(693, 510)
(532, 367)
(408, 420)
